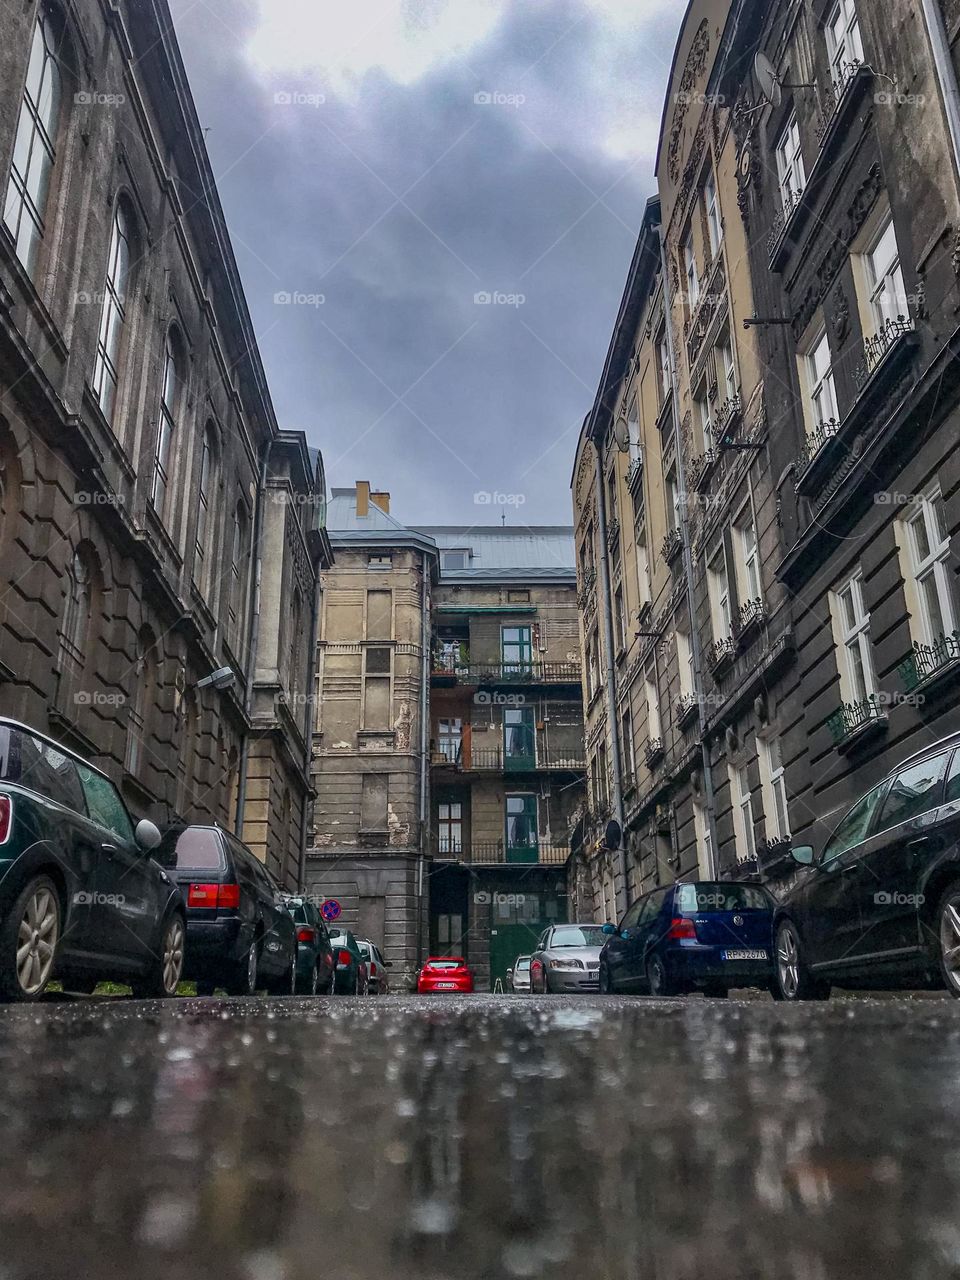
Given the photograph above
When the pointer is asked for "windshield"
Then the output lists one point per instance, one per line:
(578, 936)
(710, 896)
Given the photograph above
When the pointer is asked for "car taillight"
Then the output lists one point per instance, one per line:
(211, 896)
(306, 935)
(681, 928)
(344, 957)
(6, 817)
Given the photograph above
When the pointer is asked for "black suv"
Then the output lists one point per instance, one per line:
(81, 897)
(240, 933)
(880, 906)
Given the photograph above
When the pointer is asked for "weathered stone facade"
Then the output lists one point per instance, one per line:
(146, 486)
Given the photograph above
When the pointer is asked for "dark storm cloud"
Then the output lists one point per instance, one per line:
(398, 204)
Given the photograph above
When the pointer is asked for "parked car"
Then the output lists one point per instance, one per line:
(316, 967)
(704, 935)
(351, 973)
(880, 905)
(567, 959)
(377, 978)
(240, 933)
(82, 898)
(519, 975)
(445, 973)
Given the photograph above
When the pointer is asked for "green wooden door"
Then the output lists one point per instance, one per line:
(521, 833)
(519, 752)
(507, 941)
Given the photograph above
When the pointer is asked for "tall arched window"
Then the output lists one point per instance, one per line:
(167, 426)
(74, 640)
(34, 150)
(238, 557)
(205, 528)
(144, 694)
(106, 366)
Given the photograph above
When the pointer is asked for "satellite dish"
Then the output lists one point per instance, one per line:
(613, 834)
(621, 433)
(767, 78)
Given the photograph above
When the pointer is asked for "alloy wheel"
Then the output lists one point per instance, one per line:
(37, 939)
(172, 967)
(788, 962)
(656, 977)
(950, 941)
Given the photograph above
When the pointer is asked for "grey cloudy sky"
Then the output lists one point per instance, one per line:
(357, 164)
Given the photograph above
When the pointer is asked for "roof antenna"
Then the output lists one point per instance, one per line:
(503, 518)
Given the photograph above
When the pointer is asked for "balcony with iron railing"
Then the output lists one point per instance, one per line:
(498, 853)
(685, 709)
(634, 472)
(532, 671)
(878, 346)
(672, 545)
(931, 664)
(653, 752)
(495, 760)
(853, 722)
(720, 656)
(750, 617)
(790, 202)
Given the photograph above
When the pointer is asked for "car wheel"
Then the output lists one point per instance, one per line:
(606, 986)
(243, 981)
(28, 941)
(658, 980)
(948, 937)
(793, 977)
(166, 969)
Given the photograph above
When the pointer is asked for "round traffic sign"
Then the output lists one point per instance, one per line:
(331, 910)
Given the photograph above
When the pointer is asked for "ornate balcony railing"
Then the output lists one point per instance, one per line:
(727, 417)
(721, 654)
(653, 752)
(672, 545)
(613, 533)
(929, 661)
(685, 709)
(532, 672)
(832, 99)
(876, 347)
(634, 472)
(701, 467)
(854, 718)
(783, 215)
(814, 441)
(750, 617)
(497, 851)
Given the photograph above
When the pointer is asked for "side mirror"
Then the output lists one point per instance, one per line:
(610, 929)
(147, 835)
(803, 854)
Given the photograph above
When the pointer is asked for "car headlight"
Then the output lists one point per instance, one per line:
(565, 964)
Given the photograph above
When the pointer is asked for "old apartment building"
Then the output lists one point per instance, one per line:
(448, 756)
(765, 490)
(156, 524)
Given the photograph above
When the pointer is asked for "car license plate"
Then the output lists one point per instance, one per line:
(744, 955)
(446, 986)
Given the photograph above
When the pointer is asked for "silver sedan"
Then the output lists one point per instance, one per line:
(567, 959)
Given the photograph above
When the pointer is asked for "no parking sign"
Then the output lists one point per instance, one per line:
(331, 910)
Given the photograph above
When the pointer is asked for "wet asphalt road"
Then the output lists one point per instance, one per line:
(479, 1137)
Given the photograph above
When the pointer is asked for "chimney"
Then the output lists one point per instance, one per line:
(381, 500)
(363, 497)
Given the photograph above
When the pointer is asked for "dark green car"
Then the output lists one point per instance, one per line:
(81, 897)
(316, 965)
(351, 972)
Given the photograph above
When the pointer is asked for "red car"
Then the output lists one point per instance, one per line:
(445, 973)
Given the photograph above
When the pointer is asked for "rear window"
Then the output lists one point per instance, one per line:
(199, 849)
(444, 964)
(39, 766)
(523, 964)
(717, 896)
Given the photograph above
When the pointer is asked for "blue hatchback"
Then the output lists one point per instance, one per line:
(705, 935)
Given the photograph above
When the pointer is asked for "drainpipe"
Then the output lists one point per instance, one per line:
(308, 723)
(254, 635)
(695, 645)
(610, 682)
(424, 743)
(945, 73)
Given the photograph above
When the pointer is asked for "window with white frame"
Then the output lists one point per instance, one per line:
(887, 295)
(701, 829)
(167, 426)
(718, 582)
(593, 664)
(690, 272)
(790, 172)
(748, 555)
(633, 427)
(205, 496)
(113, 313)
(821, 391)
(620, 616)
(844, 46)
(742, 813)
(673, 501)
(712, 207)
(685, 663)
(773, 785)
(929, 550)
(726, 369)
(663, 363)
(643, 567)
(851, 622)
(654, 730)
(34, 149)
(702, 402)
(627, 758)
(450, 827)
